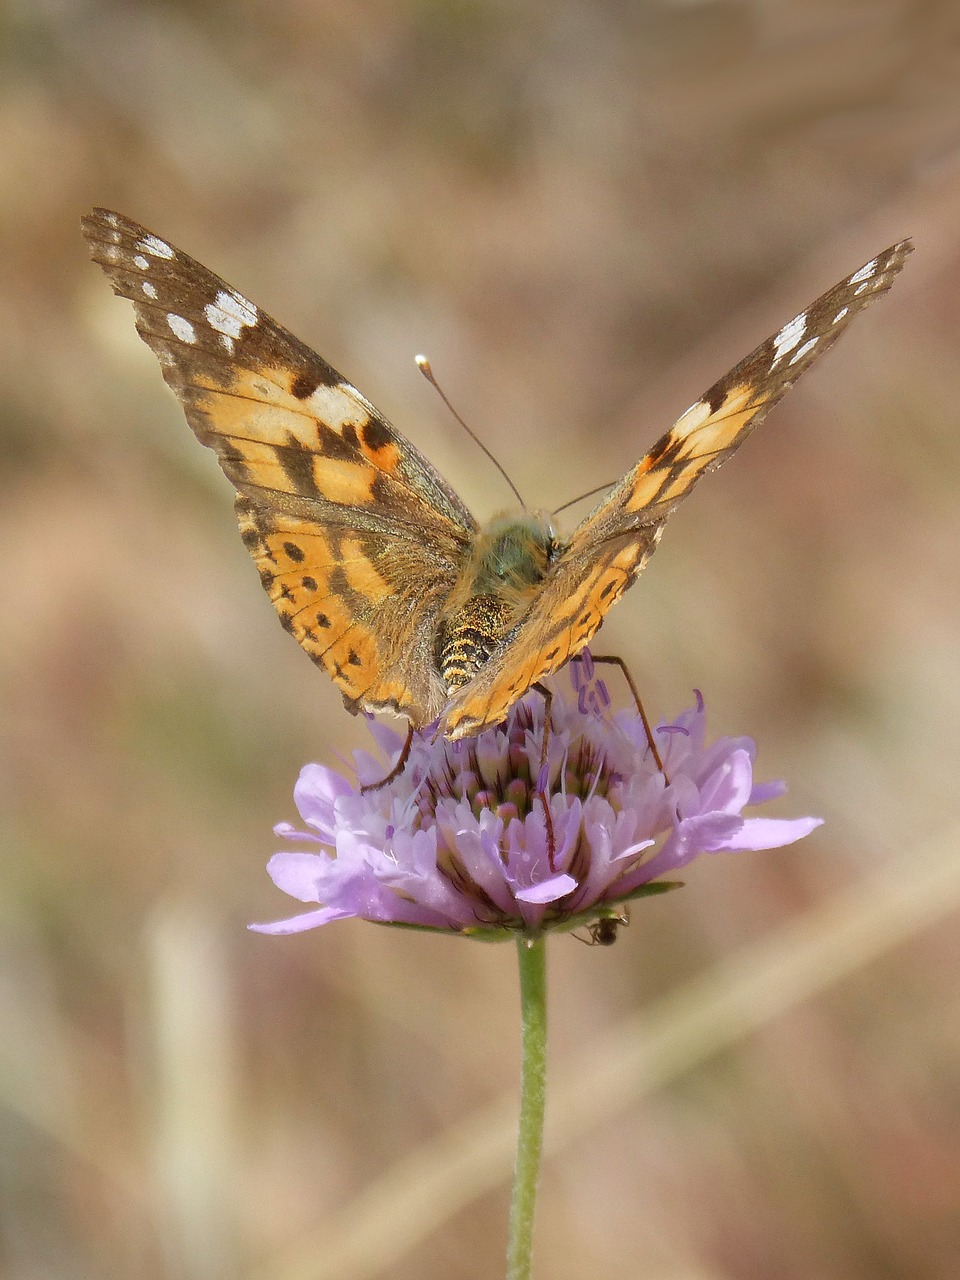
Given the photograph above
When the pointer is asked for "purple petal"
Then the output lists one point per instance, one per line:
(299, 924)
(763, 791)
(632, 850)
(770, 833)
(728, 787)
(287, 831)
(547, 890)
(299, 874)
(315, 794)
(387, 739)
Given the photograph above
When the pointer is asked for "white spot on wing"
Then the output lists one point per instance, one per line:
(148, 289)
(788, 337)
(802, 351)
(691, 418)
(227, 342)
(840, 314)
(230, 314)
(865, 272)
(155, 247)
(337, 407)
(236, 303)
(181, 328)
(862, 288)
(141, 262)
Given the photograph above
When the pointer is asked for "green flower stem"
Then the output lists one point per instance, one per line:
(532, 955)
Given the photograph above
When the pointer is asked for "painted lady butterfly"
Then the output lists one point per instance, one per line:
(371, 559)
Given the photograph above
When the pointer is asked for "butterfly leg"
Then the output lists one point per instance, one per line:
(613, 660)
(398, 768)
(543, 781)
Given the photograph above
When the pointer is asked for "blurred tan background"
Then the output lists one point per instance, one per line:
(584, 212)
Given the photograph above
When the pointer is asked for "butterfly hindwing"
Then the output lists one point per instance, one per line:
(363, 603)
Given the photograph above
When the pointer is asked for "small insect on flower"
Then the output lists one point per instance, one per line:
(605, 931)
(458, 842)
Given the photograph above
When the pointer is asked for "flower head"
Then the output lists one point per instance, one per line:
(459, 842)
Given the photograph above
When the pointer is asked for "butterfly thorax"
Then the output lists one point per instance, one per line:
(509, 560)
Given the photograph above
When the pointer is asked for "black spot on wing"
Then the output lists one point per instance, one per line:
(380, 489)
(664, 450)
(341, 446)
(303, 386)
(308, 380)
(717, 394)
(376, 434)
(296, 460)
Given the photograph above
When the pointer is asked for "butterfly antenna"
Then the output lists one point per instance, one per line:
(580, 497)
(423, 364)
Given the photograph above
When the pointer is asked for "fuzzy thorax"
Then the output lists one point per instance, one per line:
(509, 560)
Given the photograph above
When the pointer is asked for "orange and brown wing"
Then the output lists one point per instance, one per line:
(329, 492)
(610, 547)
(714, 428)
(562, 620)
(363, 602)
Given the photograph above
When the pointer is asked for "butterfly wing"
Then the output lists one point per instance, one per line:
(584, 584)
(713, 429)
(358, 539)
(611, 546)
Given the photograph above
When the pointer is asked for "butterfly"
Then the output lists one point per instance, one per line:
(372, 561)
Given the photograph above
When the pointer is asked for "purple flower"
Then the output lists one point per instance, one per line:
(459, 842)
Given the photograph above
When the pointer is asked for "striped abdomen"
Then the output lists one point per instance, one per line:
(469, 637)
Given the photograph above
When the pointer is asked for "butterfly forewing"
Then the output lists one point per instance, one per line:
(611, 546)
(714, 428)
(279, 417)
(358, 539)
